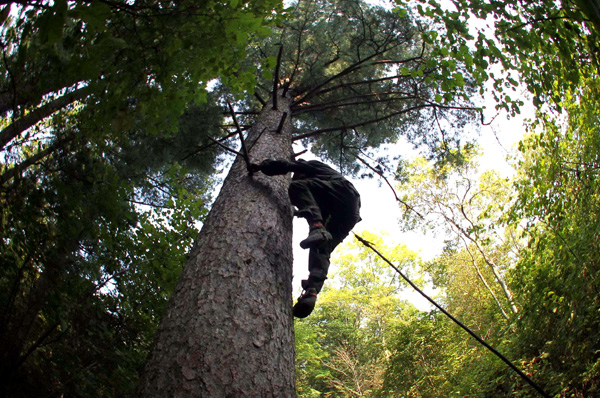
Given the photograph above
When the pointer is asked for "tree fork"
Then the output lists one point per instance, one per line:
(228, 329)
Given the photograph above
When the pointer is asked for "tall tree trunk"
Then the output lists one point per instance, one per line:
(228, 331)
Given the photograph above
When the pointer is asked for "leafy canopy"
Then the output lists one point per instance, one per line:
(360, 76)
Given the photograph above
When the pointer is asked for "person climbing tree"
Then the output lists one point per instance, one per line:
(330, 204)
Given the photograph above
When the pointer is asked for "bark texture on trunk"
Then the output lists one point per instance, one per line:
(228, 331)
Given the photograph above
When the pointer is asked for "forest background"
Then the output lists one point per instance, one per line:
(111, 144)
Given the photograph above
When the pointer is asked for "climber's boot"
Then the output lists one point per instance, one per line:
(316, 237)
(306, 303)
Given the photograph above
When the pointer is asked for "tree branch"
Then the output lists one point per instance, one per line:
(226, 147)
(23, 123)
(487, 260)
(206, 146)
(346, 85)
(379, 172)
(276, 77)
(380, 119)
(24, 165)
(345, 72)
(336, 103)
(483, 280)
(259, 98)
(245, 155)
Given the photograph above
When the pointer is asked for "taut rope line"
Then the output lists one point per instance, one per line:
(459, 323)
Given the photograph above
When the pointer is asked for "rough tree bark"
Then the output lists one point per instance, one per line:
(228, 331)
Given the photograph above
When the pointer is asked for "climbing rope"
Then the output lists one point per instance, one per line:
(459, 323)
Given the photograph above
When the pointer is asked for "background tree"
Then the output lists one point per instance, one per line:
(424, 360)
(553, 278)
(350, 331)
(468, 209)
(99, 192)
(364, 340)
(79, 280)
(557, 273)
(131, 61)
(550, 47)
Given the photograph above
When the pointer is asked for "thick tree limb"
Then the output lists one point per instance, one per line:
(245, 155)
(276, 77)
(226, 147)
(206, 146)
(23, 123)
(24, 165)
(27, 94)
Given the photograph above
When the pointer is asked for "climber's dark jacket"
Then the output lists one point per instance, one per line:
(321, 194)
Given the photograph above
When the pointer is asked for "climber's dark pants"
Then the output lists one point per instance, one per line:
(336, 204)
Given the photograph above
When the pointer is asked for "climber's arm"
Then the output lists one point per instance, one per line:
(272, 167)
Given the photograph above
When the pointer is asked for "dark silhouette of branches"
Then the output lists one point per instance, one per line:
(379, 172)
(360, 124)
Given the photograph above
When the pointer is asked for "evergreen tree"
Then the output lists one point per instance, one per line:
(348, 77)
